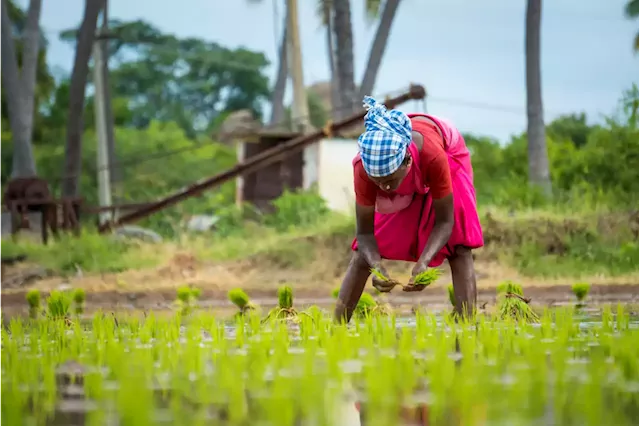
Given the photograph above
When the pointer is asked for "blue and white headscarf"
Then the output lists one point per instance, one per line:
(384, 143)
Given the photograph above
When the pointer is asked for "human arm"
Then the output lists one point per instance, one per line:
(440, 234)
(368, 246)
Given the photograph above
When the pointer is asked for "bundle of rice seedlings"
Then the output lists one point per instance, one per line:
(33, 299)
(426, 278)
(285, 309)
(184, 299)
(367, 304)
(238, 297)
(512, 303)
(58, 305)
(581, 290)
(79, 297)
(378, 274)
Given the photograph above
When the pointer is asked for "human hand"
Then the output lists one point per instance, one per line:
(382, 285)
(419, 268)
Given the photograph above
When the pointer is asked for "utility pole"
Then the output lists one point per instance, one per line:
(115, 173)
(299, 109)
(104, 183)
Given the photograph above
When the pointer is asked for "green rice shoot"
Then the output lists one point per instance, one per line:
(452, 295)
(581, 291)
(427, 277)
(512, 303)
(33, 299)
(378, 274)
(58, 304)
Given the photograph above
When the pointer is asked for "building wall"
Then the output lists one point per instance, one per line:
(335, 173)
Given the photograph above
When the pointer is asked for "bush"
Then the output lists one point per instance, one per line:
(297, 209)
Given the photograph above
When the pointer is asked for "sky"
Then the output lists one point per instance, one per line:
(469, 55)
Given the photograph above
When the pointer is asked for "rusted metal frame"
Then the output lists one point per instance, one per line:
(258, 161)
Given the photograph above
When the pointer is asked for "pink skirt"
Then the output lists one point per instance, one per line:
(403, 235)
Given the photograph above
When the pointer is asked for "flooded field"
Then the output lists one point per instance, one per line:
(573, 367)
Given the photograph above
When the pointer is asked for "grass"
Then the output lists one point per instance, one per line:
(544, 244)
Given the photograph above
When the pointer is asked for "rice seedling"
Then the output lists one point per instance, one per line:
(238, 297)
(581, 290)
(79, 297)
(426, 278)
(452, 295)
(186, 297)
(155, 369)
(285, 309)
(367, 304)
(33, 299)
(513, 304)
(58, 304)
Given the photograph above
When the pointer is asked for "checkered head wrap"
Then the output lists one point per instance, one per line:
(383, 145)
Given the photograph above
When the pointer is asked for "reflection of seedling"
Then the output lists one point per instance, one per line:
(79, 296)
(512, 303)
(581, 290)
(33, 299)
(427, 277)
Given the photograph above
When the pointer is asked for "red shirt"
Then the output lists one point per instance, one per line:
(434, 165)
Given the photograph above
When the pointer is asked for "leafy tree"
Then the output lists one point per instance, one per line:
(187, 81)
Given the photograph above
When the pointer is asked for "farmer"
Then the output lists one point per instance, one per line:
(415, 201)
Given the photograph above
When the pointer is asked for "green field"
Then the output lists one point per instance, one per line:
(575, 366)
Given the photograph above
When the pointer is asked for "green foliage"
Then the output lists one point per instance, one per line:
(512, 304)
(196, 293)
(188, 81)
(89, 252)
(58, 304)
(285, 297)
(581, 290)
(297, 209)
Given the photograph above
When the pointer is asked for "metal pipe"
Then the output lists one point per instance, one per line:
(257, 162)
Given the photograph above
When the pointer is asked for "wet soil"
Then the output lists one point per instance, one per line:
(14, 303)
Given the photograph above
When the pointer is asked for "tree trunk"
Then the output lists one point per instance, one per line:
(333, 72)
(77, 89)
(537, 145)
(280, 86)
(344, 57)
(20, 87)
(378, 47)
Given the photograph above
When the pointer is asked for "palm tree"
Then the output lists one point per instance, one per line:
(77, 89)
(20, 86)
(537, 145)
(631, 12)
(379, 44)
(344, 57)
